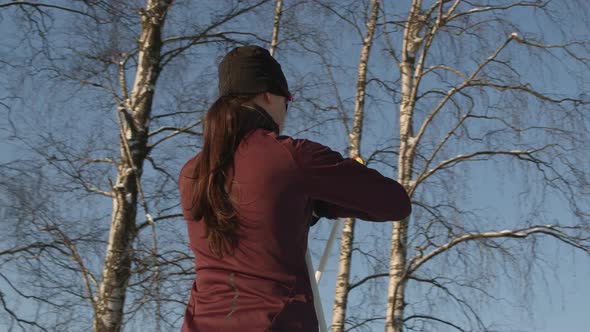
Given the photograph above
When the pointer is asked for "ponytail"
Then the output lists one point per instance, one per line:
(226, 123)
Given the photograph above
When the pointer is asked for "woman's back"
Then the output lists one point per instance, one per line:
(276, 182)
(248, 289)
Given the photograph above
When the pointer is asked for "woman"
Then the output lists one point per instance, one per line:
(249, 198)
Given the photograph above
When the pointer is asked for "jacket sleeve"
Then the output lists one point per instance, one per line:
(342, 187)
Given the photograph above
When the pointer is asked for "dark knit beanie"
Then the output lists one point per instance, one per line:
(250, 70)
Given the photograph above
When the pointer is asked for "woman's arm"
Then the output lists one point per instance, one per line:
(343, 187)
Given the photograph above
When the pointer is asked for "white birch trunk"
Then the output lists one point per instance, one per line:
(117, 264)
(342, 280)
(275, 28)
(399, 240)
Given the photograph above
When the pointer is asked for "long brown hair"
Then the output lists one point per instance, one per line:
(227, 122)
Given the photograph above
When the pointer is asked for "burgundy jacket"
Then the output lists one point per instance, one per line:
(277, 182)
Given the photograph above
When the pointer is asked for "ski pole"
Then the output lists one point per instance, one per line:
(317, 301)
(327, 250)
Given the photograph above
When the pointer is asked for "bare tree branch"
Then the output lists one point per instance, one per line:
(556, 231)
(454, 90)
(43, 5)
(367, 278)
(526, 155)
(446, 322)
(15, 317)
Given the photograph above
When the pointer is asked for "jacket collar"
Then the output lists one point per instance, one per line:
(258, 117)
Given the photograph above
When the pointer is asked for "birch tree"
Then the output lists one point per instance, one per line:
(275, 27)
(465, 98)
(347, 238)
(490, 103)
(135, 110)
(136, 264)
(108, 98)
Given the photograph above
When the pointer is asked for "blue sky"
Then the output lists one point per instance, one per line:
(557, 301)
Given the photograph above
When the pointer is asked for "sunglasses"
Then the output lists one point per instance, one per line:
(288, 99)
